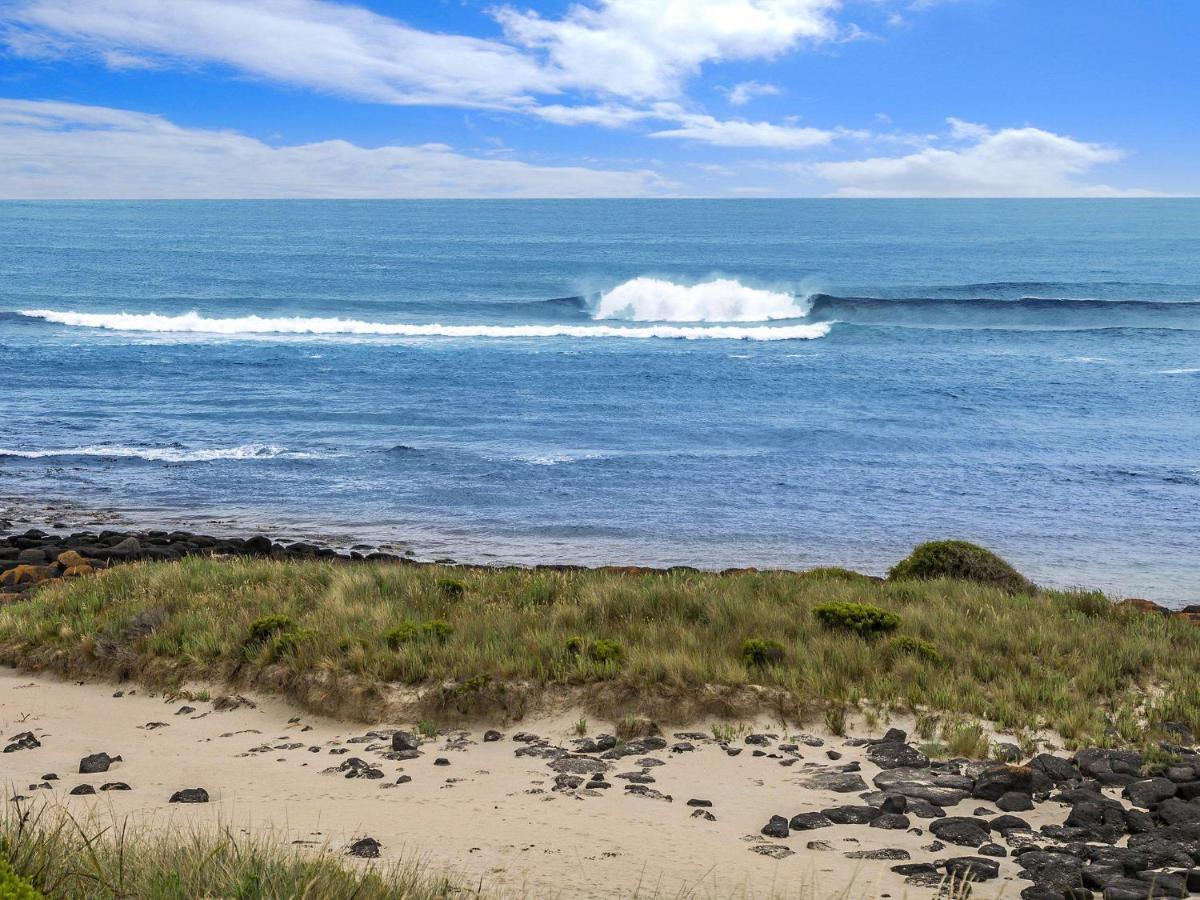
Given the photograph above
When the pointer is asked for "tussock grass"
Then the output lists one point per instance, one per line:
(1026, 661)
(72, 859)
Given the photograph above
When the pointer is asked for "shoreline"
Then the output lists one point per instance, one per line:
(68, 519)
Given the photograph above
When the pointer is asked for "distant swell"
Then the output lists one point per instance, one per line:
(194, 323)
(175, 454)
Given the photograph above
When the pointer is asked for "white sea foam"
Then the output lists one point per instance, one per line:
(194, 323)
(1179, 371)
(719, 300)
(163, 454)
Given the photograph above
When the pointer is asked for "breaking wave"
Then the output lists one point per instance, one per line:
(173, 453)
(194, 323)
(719, 300)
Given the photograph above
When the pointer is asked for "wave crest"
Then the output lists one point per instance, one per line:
(194, 323)
(719, 300)
(175, 454)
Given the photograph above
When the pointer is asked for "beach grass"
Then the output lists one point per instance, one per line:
(58, 855)
(369, 640)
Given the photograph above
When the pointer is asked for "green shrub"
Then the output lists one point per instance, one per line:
(14, 887)
(286, 643)
(605, 651)
(401, 634)
(759, 652)
(407, 632)
(437, 630)
(575, 645)
(451, 588)
(1091, 604)
(906, 644)
(861, 618)
(265, 627)
(959, 560)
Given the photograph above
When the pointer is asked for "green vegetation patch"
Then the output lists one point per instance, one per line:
(962, 561)
(333, 637)
(863, 619)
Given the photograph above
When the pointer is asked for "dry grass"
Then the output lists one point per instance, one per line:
(347, 636)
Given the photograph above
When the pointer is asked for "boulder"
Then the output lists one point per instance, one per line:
(962, 831)
(896, 755)
(190, 795)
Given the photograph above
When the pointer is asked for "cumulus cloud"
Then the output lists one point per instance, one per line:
(54, 150)
(737, 133)
(743, 92)
(979, 162)
(647, 48)
(640, 49)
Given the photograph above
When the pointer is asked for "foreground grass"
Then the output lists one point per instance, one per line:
(62, 857)
(341, 638)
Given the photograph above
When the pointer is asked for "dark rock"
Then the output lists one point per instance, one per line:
(1149, 792)
(992, 784)
(1110, 767)
(704, 803)
(488, 736)
(972, 868)
(1174, 811)
(185, 710)
(1005, 824)
(1055, 769)
(923, 868)
(115, 786)
(894, 821)
(365, 848)
(576, 765)
(992, 850)
(404, 779)
(809, 821)
(895, 755)
(96, 763)
(838, 782)
(404, 740)
(894, 803)
(1132, 889)
(190, 795)
(894, 853)
(777, 827)
(960, 830)
(851, 815)
(23, 741)
(82, 789)
(1014, 802)
(441, 761)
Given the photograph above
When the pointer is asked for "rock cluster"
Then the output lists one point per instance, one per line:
(35, 556)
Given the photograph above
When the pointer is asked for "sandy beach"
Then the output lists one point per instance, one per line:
(489, 814)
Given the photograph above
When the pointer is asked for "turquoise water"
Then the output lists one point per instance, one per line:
(776, 383)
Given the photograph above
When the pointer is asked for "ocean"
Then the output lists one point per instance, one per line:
(775, 383)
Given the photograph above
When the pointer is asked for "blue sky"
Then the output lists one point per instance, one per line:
(312, 98)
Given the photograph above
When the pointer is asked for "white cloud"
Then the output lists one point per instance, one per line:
(637, 49)
(1013, 162)
(332, 47)
(742, 93)
(54, 150)
(648, 48)
(736, 133)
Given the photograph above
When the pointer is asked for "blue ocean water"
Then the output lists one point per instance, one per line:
(773, 383)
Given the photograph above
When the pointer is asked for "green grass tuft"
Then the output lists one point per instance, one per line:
(758, 652)
(863, 619)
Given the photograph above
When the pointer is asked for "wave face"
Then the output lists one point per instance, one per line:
(173, 454)
(1032, 313)
(719, 300)
(194, 323)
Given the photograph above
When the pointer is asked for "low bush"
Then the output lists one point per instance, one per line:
(407, 632)
(960, 560)
(758, 652)
(863, 619)
(14, 887)
(602, 650)
(451, 588)
(268, 626)
(911, 646)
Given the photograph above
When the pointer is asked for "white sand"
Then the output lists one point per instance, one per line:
(488, 815)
